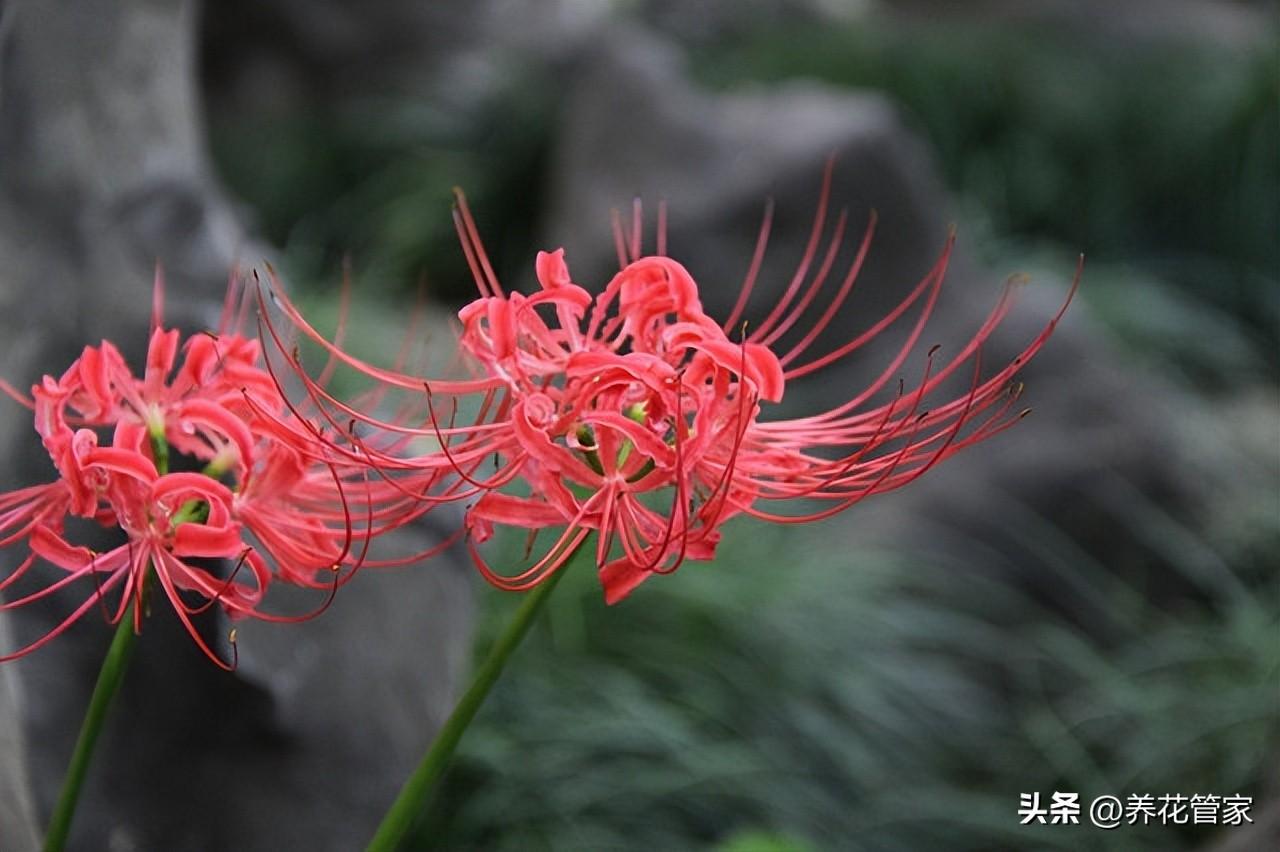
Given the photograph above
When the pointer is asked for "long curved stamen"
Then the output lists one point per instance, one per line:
(226, 586)
(819, 278)
(16, 395)
(471, 236)
(637, 228)
(172, 593)
(404, 382)
(806, 260)
(329, 598)
(846, 287)
(157, 299)
(340, 330)
(619, 238)
(661, 249)
(740, 432)
(679, 501)
(553, 561)
(62, 626)
(930, 284)
(878, 438)
(753, 271)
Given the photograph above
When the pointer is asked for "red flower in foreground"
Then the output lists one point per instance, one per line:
(271, 496)
(633, 414)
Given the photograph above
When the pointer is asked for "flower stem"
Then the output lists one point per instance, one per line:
(109, 679)
(110, 676)
(415, 792)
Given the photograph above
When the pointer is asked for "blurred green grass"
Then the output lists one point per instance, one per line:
(790, 691)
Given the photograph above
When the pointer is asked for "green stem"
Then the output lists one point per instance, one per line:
(110, 676)
(415, 792)
(109, 679)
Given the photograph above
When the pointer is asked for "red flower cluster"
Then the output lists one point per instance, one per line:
(630, 413)
(270, 496)
(633, 414)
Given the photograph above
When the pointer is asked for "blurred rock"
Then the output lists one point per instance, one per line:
(103, 173)
(280, 54)
(332, 49)
(720, 19)
(633, 125)
(17, 810)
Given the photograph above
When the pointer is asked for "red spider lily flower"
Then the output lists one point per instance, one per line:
(203, 410)
(169, 520)
(634, 415)
(271, 496)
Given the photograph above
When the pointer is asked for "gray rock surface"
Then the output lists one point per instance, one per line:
(18, 822)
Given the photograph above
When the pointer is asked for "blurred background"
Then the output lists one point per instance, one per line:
(1089, 603)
